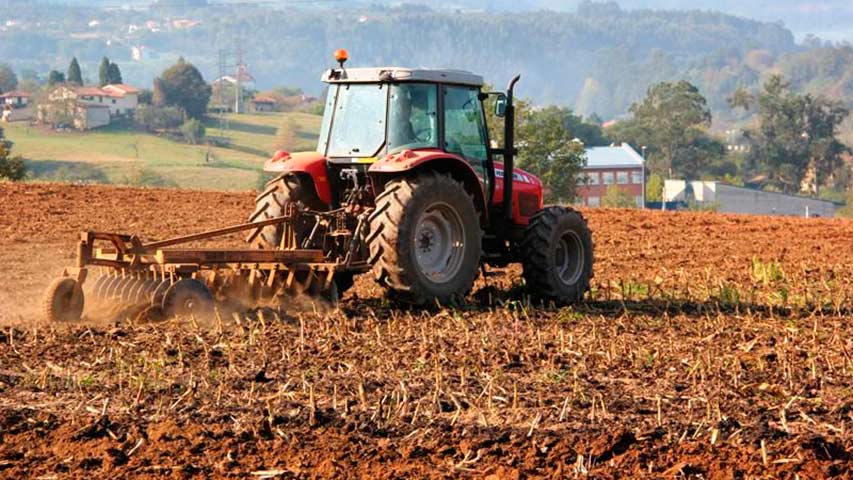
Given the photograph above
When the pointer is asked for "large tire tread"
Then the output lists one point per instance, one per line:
(271, 203)
(536, 250)
(393, 267)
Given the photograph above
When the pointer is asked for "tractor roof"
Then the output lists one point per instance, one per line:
(399, 74)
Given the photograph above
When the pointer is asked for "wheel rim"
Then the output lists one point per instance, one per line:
(439, 243)
(568, 258)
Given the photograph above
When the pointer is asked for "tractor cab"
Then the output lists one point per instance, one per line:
(373, 112)
(372, 115)
(382, 121)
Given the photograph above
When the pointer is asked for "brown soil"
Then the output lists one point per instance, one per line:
(712, 346)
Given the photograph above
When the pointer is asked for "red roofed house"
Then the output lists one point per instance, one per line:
(15, 99)
(14, 106)
(90, 107)
(264, 104)
(123, 98)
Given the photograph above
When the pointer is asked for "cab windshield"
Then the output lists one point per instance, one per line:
(354, 120)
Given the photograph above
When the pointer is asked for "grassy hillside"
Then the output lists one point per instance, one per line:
(121, 156)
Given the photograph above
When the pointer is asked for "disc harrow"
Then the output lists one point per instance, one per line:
(129, 274)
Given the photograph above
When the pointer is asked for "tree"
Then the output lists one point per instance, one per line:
(158, 96)
(741, 98)
(822, 118)
(795, 142)
(55, 77)
(74, 75)
(183, 86)
(114, 74)
(654, 188)
(615, 197)
(8, 79)
(549, 151)
(145, 97)
(104, 72)
(672, 121)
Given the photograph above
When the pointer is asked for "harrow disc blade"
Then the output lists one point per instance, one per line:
(108, 293)
(98, 287)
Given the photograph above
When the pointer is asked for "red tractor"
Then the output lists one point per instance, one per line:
(405, 153)
(404, 183)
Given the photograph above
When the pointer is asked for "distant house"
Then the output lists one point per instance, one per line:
(15, 99)
(264, 104)
(88, 117)
(123, 99)
(246, 79)
(14, 106)
(618, 165)
(89, 107)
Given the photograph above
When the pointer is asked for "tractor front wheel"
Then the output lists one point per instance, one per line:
(425, 239)
(557, 255)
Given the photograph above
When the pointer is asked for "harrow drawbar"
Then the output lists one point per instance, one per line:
(168, 280)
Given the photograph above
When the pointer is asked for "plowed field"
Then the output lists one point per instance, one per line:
(712, 346)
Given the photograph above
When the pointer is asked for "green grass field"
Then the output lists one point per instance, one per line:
(124, 156)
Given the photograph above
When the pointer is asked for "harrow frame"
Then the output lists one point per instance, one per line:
(141, 273)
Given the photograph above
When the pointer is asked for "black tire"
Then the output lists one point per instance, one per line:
(411, 207)
(278, 192)
(187, 297)
(63, 301)
(557, 255)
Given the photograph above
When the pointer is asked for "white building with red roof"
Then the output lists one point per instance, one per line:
(15, 99)
(91, 106)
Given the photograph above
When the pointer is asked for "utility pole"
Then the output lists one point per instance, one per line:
(238, 90)
(220, 98)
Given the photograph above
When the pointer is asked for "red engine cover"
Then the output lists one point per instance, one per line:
(526, 194)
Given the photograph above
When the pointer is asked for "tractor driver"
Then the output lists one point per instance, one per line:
(411, 118)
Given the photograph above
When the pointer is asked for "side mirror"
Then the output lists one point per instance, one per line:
(500, 105)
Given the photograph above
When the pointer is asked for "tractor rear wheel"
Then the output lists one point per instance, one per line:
(425, 239)
(557, 255)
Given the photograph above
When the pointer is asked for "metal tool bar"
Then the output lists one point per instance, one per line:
(213, 233)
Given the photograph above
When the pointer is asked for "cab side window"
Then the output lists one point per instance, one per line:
(464, 127)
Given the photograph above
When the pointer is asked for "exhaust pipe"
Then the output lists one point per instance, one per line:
(509, 151)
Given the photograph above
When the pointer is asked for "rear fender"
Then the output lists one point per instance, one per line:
(413, 161)
(312, 164)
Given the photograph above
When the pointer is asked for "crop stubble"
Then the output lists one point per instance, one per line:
(713, 346)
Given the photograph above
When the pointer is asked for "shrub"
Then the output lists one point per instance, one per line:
(654, 188)
(11, 168)
(144, 177)
(158, 118)
(193, 131)
(616, 198)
